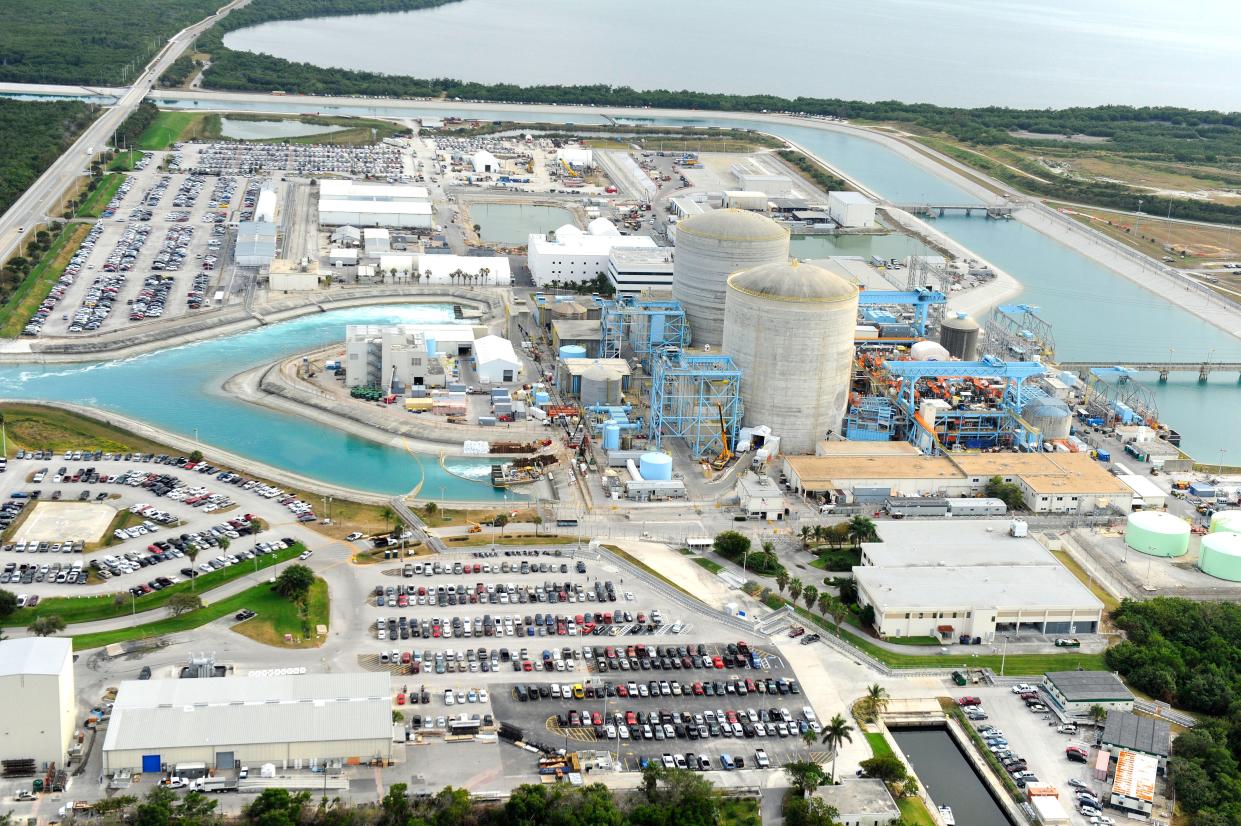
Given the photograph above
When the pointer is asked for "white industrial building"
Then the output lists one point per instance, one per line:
(291, 276)
(851, 209)
(1076, 692)
(575, 255)
(289, 721)
(636, 269)
(376, 241)
(760, 497)
(776, 186)
(578, 157)
(265, 206)
(338, 190)
(495, 360)
(484, 161)
(948, 579)
(400, 214)
(342, 256)
(745, 199)
(39, 710)
(256, 244)
(401, 356)
(347, 236)
(860, 801)
(477, 269)
(398, 267)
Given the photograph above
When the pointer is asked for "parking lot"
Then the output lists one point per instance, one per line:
(167, 508)
(1035, 738)
(157, 250)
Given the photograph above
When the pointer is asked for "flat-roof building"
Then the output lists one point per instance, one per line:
(401, 356)
(584, 332)
(637, 269)
(860, 801)
(256, 244)
(1076, 691)
(347, 190)
(760, 497)
(39, 712)
(471, 270)
(287, 720)
(1133, 786)
(574, 256)
(364, 213)
(851, 209)
(495, 360)
(947, 579)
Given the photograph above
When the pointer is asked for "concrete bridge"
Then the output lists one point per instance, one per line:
(940, 210)
(1163, 368)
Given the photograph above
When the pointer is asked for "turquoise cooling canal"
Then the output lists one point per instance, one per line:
(177, 389)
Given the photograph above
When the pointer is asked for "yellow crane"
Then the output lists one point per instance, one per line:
(721, 461)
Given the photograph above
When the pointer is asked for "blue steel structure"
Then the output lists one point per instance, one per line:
(973, 428)
(689, 397)
(920, 300)
(647, 326)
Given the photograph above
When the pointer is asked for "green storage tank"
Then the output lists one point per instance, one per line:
(1226, 522)
(1157, 533)
(1220, 556)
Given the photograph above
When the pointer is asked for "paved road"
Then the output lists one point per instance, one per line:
(43, 196)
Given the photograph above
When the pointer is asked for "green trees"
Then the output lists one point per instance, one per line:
(887, 768)
(795, 589)
(1006, 492)
(809, 594)
(46, 626)
(732, 545)
(277, 807)
(294, 582)
(800, 811)
(862, 529)
(178, 604)
(8, 603)
(805, 775)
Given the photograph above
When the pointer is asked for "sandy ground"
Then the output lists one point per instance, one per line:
(58, 521)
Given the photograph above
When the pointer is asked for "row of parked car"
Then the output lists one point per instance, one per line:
(734, 686)
(117, 198)
(684, 725)
(500, 625)
(483, 593)
(29, 572)
(524, 567)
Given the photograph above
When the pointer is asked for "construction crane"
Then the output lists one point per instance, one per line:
(721, 461)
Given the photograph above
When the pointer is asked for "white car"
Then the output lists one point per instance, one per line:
(760, 757)
(449, 697)
(353, 537)
(1022, 688)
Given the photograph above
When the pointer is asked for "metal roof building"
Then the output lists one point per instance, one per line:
(1077, 691)
(287, 720)
(256, 244)
(1126, 730)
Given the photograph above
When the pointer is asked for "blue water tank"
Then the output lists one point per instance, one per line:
(572, 351)
(542, 398)
(655, 466)
(611, 436)
(430, 345)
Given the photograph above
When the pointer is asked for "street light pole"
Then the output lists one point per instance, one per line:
(1004, 655)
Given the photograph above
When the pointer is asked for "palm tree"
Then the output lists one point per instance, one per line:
(393, 271)
(876, 699)
(782, 580)
(427, 275)
(809, 594)
(795, 589)
(862, 529)
(839, 611)
(1098, 714)
(835, 734)
(806, 533)
(191, 551)
(483, 274)
(825, 601)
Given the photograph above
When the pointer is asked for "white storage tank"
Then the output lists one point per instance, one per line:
(709, 248)
(655, 467)
(789, 327)
(1220, 556)
(1157, 533)
(1051, 416)
(1226, 522)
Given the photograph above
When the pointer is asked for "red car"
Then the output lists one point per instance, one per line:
(969, 701)
(796, 631)
(596, 718)
(717, 661)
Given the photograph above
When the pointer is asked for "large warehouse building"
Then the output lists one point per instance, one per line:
(38, 713)
(948, 579)
(285, 720)
(574, 256)
(363, 204)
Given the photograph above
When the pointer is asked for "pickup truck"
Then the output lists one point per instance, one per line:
(1068, 642)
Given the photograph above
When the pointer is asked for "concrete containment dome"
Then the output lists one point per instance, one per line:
(709, 248)
(1157, 533)
(789, 327)
(1220, 556)
(1226, 521)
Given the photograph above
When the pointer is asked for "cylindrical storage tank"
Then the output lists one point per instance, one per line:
(572, 351)
(929, 351)
(1051, 416)
(611, 436)
(1226, 522)
(709, 248)
(789, 327)
(600, 385)
(1220, 556)
(1157, 533)
(656, 467)
(959, 335)
(430, 340)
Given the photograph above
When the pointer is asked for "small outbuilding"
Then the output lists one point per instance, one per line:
(39, 709)
(860, 801)
(1077, 691)
(760, 497)
(1145, 735)
(496, 360)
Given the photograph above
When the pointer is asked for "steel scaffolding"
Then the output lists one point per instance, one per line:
(690, 395)
(646, 326)
(1018, 329)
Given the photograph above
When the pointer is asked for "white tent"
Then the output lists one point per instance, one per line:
(497, 361)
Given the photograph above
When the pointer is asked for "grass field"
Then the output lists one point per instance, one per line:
(16, 313)
(879, 746)
(278, 617)
(170, 127)
(124, 161)
(33, 426)
(261, 598)
(94, 204)
(1151, 234)
(914, 812)
(106, 606)
(482, 540)
(710, 564)
(356, 131)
